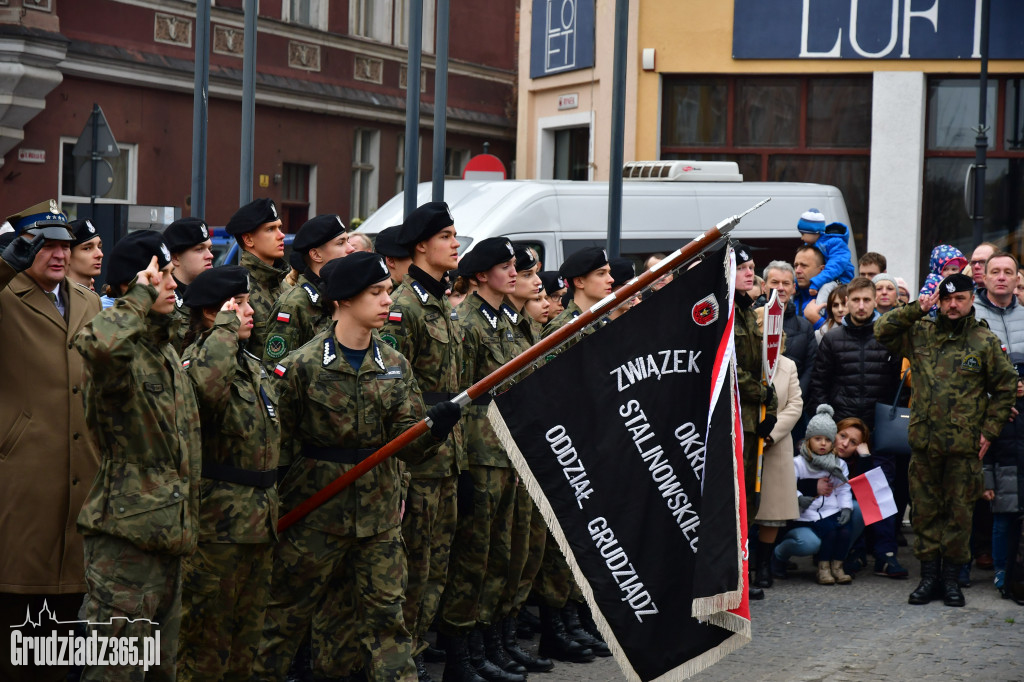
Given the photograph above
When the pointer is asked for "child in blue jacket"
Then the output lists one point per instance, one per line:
(833, 242)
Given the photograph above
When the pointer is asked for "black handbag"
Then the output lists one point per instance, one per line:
(891, 422)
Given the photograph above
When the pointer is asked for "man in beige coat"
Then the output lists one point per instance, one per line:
(47, 456)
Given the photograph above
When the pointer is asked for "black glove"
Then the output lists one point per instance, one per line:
(443, 418)
(464, 495)
(845, 514)
(769, 393)
(804, 501)
(20, 253)
(764, 429)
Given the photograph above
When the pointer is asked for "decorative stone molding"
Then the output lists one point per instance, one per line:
(229, 41)
(172, 30)
(303, 56)
(403, 77)
(368, 70)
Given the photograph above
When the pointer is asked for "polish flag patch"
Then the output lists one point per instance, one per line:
(874, 495)
(185, 364)
(279, 370)
(284, 317)
(395, 316)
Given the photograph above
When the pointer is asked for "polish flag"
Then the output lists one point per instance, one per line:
(284, 317)
(395, 316)
(874, 495)
(279, 370)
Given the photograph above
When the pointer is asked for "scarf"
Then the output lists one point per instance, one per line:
(829, 463)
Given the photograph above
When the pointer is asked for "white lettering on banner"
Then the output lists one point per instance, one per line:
(572, 466)
(662, 473)
(656, 365)
(622, 570)
(688, 437)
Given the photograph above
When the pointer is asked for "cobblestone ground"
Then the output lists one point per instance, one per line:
(859, 632)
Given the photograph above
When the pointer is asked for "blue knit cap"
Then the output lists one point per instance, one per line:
(811, 222)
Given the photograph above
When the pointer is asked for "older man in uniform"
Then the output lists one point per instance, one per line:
(188, 240)
(964, 388)
(47, 455)
(257, 229)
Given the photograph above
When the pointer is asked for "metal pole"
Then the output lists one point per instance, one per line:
(618, 128)
(981, 142)
(200, 108)
(412, 105)
(440, 101)
(95, 159)
(248, 103)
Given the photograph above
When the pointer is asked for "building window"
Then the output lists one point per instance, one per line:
(74, 175)
(401, 24)
(790, 128)
(365, 159)
(311, 13)
(455, 161)
(296, 193)
(371, 19)
(572, 149)
(950, 135)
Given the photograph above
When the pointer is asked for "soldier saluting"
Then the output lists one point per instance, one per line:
(964, 387)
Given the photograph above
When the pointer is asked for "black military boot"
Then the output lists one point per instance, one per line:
(421, 669)
(763, 571)
(483, 665)
(754, 593)
(527, 624)
(496, 653)
(301, 669)
(457, 667)
(571, 618)
(519, 654)
(951, 594)
(928, 588)
(556, 643)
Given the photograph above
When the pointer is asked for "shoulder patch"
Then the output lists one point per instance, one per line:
(280, 370)
(311, 291)
(971, 363)
(185, 364)
(284, 317)
(390, 340)
(395, 316)
(277, 347)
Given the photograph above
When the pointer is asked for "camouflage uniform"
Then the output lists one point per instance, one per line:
(423, 328)
(225, 583)
(299, 314)
(180, 318)
(964, 387)
(748, 339)
(266, 285)
(478, 570)
(350, 548)
(142, 512)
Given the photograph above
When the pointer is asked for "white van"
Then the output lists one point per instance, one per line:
(659, 213)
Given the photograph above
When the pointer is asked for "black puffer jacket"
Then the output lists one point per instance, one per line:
(1004, 466)
(853, 372)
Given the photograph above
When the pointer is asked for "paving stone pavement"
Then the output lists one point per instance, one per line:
(865, 631)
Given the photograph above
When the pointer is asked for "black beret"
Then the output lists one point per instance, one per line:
(387, 244)
(347, 277)
(583, 261)
(424, 222)
(552, 282)
(955, 283)
(251, 216)
(212, 287)
(485, 255)
(133, 253)
(313, 233)
(622, 270)
(524, 257)
(184, 233)
(84, 230)
(743, 253)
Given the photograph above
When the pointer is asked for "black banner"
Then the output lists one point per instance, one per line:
(627, 443)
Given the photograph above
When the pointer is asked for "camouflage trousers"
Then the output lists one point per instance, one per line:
(554, 582)
(355, 585)
(943, 490)
(529, 535)
(479, 567)
(224, 591)
(139, 594)
(428, 528)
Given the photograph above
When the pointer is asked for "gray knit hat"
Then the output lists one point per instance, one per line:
(821, 424)
(886, 276)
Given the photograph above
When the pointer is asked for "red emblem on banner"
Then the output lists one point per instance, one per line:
(705, 311)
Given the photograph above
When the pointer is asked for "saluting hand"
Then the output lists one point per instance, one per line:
(151, 275)
(928, 301)
(230, 304)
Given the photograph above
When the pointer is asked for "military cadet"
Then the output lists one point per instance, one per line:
(421, 327)
(555, 287)
(141, 515)
(225, 583)
(48, 457)
(86, 261)
(753, 391)
(479, 565)
(529, 531)
(188, 240)
(302, 312)
(622, 270)
(397, 257)
(587, 274)
(964, 387)
(343, 395)
(257, 229)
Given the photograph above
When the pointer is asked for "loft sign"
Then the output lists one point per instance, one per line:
(875, 29)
